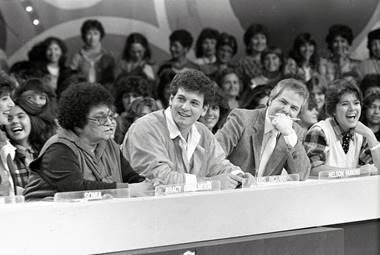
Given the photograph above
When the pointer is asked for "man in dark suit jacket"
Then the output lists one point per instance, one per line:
(244, 135)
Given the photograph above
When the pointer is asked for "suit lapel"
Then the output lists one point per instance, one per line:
(257, 137)
(279, 152)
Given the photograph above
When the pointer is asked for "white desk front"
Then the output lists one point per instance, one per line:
(128, 224)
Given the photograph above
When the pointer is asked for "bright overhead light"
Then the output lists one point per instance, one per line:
(29, 8)
(36, 22)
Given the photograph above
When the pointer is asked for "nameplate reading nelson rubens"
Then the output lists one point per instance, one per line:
(344, 173)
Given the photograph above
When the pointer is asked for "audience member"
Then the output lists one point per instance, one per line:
(226, 48)
(217, 111)
(266, 141)
(370, 84)
(6, 149)
(231, 86)
(163, 88)
(82, 155)
(371, 113)
(53, 60)
(304, 52)
(21, 71)
(371, 65)
(339, 64)
(342, 142)
(256, 39)
(308, 115)
(3, 61)
(272, 62)
(257, 97)
(137, 109)
(38, 101)
(18, 130)
(136, 58)
(180, 44)
(317, 87)
(205, 47)
(176, 148)
(93, 61)
(68, 78)
(129, 88)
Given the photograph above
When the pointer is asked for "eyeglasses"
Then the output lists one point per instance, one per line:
(102, 120)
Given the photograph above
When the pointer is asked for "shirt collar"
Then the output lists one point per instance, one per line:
(173, 128)
(23, 149)
(268, 127)
(339, 132)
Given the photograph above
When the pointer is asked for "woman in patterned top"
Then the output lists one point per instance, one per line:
(18, 131)
(256, 39)
(205, 47)
(93, 61)
(342, 142)
(339, 64)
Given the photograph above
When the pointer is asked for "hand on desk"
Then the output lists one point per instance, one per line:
(227, 181)
(141, 189)
(370, 168)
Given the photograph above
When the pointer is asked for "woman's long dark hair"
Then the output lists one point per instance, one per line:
(42, 118)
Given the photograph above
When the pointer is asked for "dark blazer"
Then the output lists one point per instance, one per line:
(241, 138)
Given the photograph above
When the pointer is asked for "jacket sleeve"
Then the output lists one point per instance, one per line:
(298, 161)
(145, 148)
(60, 168)
(229, 135)
(218, 164)
(127, 172)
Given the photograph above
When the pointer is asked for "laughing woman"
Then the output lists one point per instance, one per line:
(82, 156)
(18, 131)
(6, 149)
(342, 142)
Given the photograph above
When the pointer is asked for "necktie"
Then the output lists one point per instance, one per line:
(267, 151)
(346, 141)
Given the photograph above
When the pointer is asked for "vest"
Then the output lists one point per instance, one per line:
(335, 155)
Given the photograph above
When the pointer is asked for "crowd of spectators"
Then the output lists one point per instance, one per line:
(139, 85)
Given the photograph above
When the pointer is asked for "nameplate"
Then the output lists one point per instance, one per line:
(170, 189)
(272, 180)
(12, 199)
(90, 195)
(344, 173)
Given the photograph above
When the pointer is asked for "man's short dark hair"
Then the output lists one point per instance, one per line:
(194, 81)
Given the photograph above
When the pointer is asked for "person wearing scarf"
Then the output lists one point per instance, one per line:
(82, 155)
(342, 142)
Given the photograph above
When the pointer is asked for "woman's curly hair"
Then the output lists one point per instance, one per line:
(77, 101)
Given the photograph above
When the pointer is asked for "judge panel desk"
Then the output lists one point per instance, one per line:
(312, 217)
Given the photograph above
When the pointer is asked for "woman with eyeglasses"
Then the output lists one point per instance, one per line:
(83, 155)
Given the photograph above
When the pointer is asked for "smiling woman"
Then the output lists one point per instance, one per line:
(18, 131)
(82, 156)
(342, 141)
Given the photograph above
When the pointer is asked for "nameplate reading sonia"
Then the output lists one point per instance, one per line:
(90, 195)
